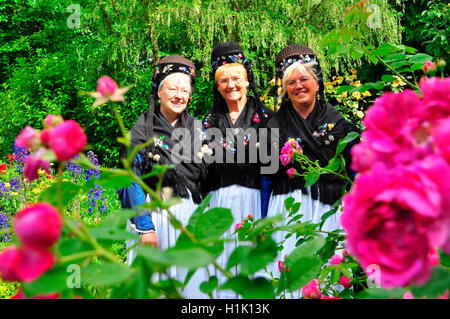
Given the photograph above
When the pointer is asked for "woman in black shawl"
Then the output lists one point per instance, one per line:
(234, 176)
(304, 116)
(174, 134)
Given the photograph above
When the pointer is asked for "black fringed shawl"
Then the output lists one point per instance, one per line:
(320, 134)
(254, 115)
(186, 175)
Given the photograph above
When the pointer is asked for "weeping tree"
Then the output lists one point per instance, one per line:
(51, 50)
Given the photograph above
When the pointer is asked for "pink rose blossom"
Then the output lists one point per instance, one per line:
(108, 90)
(33, 163)
(25, 138)
(291, 172)
(436, 99)
(285, 159)
(38, 226)
(281, 266)
(345, 281)
(441, 138)
(311, 290)
(24, 264)
(433, 257)
(392, 218)
(67, 139)
(429, 66)
(238, 225)
(52, 120)
(408, 295)
(336, 260)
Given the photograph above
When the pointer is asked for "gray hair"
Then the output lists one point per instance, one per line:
(303, 68)
(178, 75)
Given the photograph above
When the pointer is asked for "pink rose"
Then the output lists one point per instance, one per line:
(441, 138)
(106, 85)
(108, 90)
(285, 159)
(392, 218)
(291, 172)
(25, 138)
(38, 226)
(433, 257)
(336, 260)
(24, 264)
(345, 281)
(32, 165)
(311, 290)
(429, 66)
(67, 139)
(408, 295)
(238, 225)
(52, 120)
(281, 266)
(436, 99)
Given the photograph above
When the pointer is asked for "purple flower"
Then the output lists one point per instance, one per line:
(3, 225)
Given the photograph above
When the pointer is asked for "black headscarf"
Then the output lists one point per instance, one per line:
(254, 115)
(319, 133)
(186, 175)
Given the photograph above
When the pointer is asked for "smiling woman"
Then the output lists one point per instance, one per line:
(174, 93)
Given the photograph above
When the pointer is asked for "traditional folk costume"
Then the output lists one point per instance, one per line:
(318, 135)
(185, 179)
(234, 184)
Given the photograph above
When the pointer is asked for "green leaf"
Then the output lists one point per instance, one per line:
(288, 202)
(208, 286)
(111, 233)
(213, 223)
(357, 53)
(444, 258)
(106, 274)
(344, 141)
(63, 195)
(388, 78)
(303, 271)
(379, 293)
(259, 288)
(345, 88)
(54, 280)
(264, 253)
(110, 180)
(308, 249)
(373, 58)
(295, 208)
(334, 164)
(311, 178)
(436, 286)
(199, 211)
(190, 257)
(71, 246)
(238, 255)
(420, 58)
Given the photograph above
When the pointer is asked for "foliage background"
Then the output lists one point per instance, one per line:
(44, 63)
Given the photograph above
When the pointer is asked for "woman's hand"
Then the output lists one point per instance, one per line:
(150, 239)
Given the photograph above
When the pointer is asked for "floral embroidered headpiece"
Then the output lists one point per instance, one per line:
(173, 64)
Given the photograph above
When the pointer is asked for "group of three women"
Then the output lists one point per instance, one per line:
(235, 182)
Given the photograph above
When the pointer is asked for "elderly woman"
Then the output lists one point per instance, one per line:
(304, 116)
(234, 180)
(173, 84)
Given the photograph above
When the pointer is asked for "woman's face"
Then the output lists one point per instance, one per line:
(301, 89)
(232, 86)
(174, 94)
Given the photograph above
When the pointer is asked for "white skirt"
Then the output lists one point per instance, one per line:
(312, 210)
(167, 237)
(242, 201)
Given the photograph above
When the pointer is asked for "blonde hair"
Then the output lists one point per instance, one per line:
(303, 68)
(232, 68)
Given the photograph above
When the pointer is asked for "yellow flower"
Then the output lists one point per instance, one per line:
(357, 83)
(344, 94)
(398, 82)
(360, 114)
(353, 71)
(340, 79)
(7, 185)
(355, 105)
(356, 96)
(367, 93)
(330, 126)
